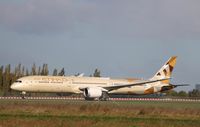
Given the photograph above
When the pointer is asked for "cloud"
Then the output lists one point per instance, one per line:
(139, 19)
(40, 16)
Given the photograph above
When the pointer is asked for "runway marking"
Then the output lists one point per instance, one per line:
(111, 99)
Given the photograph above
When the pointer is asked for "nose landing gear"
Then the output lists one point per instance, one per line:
(23, 93)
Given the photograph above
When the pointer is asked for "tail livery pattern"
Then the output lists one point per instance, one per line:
(166, 70)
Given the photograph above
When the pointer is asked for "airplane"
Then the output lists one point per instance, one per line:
(98, 88)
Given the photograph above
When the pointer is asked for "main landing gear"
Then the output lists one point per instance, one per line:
(104, 97)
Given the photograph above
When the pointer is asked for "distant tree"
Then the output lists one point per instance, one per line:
(7, 79)
(97, 73)
(27, 72)
(194, 93)
(45, 70)
(23, 71)
(182, 94)
(1, 77)
(171, 93)
(39, 71)
(17, 72)
(33, 72)
(62, 72)
(55, 72)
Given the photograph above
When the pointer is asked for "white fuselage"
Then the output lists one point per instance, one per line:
(73, 84)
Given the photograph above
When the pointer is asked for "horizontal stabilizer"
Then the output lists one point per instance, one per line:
(180, 85)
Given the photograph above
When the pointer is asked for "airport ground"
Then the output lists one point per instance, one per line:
(76, 113)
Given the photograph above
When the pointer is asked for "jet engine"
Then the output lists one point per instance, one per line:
(92, 92)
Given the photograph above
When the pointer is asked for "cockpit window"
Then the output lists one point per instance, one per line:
(18, 81)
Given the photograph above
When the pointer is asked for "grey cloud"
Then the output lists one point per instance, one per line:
(158, 19)
(40, 16)
(139, 19)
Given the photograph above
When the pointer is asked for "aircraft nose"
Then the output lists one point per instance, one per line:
(14, 86)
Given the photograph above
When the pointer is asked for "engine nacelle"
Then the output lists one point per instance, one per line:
(92, 92)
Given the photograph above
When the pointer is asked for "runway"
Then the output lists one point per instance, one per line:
(110, 99)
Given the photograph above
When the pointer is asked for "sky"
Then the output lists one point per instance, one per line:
(123, 38)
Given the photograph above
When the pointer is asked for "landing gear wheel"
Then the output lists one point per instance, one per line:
(23, 95)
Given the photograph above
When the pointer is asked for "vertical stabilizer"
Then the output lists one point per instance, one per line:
(166, 70)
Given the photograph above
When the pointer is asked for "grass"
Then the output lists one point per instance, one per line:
(64, 113)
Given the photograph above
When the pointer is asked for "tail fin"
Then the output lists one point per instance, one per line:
(166, 70)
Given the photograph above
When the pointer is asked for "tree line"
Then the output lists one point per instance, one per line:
(194, 93)
(8, 75)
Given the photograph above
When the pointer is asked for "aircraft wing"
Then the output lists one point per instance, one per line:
(114, 87)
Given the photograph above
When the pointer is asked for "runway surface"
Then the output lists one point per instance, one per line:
(111, 99)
